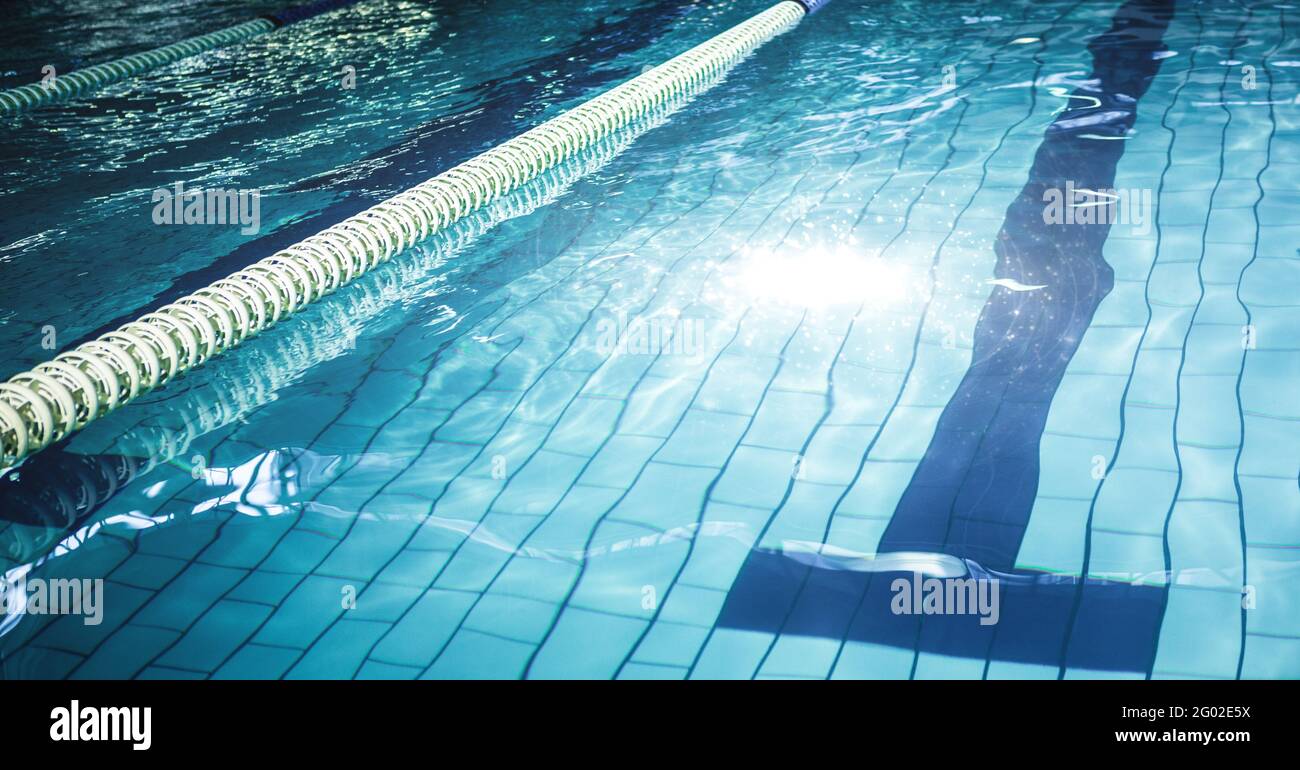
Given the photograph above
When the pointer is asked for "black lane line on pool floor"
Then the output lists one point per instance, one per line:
(972, 493)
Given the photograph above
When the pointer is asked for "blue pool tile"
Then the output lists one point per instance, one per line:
(189, 595)
(832, 455)
(1124, 502)
(691, 605)
(655, 407)
(425, 629)
(704, 439)
(665, 496)
(70, 632)
(545, 402)
(1123, 554)
(616, 377)
(384, 602)
(478, 419)
(564, 533)
(408, 432)
(515, 617)
(629, 572)
(540, 484)
(585, 425)
(438, 533)
(800, 656)
(164, 672)
(1274, 506)
(736, 383)
(215, 636)
(1002, 669)
(671, 644)
(376, 670)
(263, 587)
(586, 645)
(338, 505)
(934, 666)
(125, 653)
(473, 655)
(339, 438)
(386, 390)
(863, 660)
(414, 568)
(636, 670)
(437, 465)
(34, 662)
(715, 560)
(340, 652)
(731, 654)
(255, 661)
(299, 552)
(756, 477)
(1092, 674)
(147, 571)
(306, 612)
(181, 540)
(1272, 658)
(488, 548)
(541, 579)
(468, 498)
(246, 541)
(877, 489)
(804, 514)
(619, 461)
(368, 547)
(1212, 619)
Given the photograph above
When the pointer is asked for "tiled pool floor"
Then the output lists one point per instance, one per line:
(565, 446)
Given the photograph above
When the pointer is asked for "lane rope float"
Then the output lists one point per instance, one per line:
(60, 396)
(82, 81)
(49, 505)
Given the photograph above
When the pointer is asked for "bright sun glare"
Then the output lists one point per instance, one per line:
(819, 277)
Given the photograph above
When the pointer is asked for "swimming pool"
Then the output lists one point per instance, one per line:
(691, 404)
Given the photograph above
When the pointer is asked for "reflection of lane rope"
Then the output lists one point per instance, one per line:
(82, 81)
(59, 492)
(58, 397)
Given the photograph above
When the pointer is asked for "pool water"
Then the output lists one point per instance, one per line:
(689, 405)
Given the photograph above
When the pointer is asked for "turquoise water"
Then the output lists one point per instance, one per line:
(668, 410)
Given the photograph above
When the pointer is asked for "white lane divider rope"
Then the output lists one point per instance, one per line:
(60, 396)
(62, 87)
(118, 449)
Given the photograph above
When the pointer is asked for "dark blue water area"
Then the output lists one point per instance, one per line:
(499, 107)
